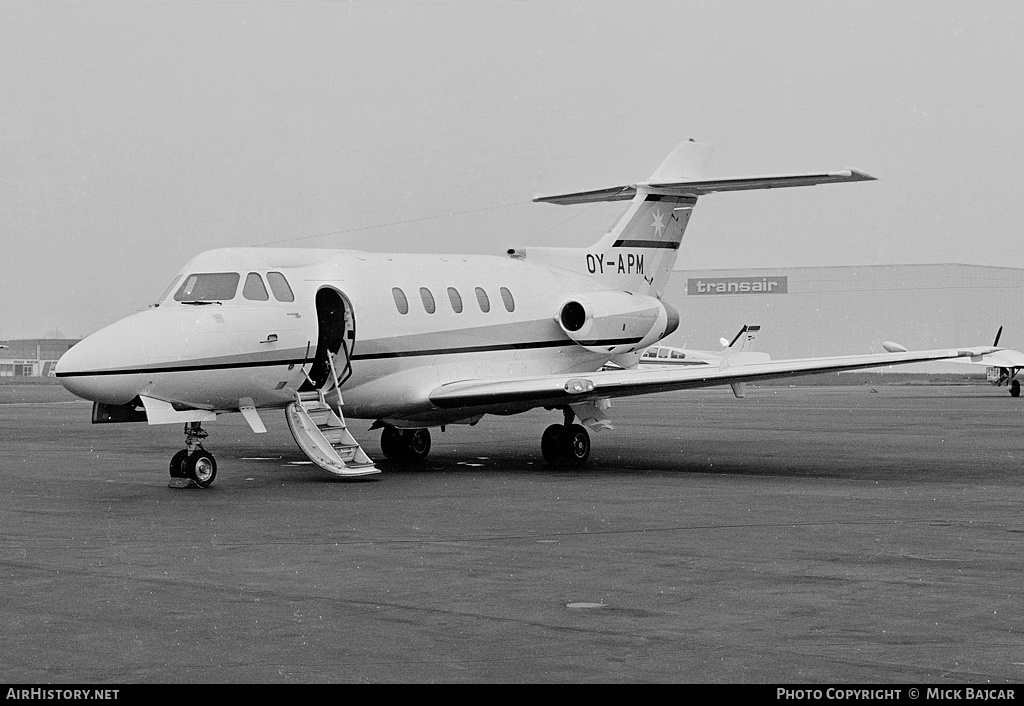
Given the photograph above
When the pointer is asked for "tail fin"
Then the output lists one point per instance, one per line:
(638, 253)
(743, 340)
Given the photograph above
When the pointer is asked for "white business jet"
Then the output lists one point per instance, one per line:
(414, 341)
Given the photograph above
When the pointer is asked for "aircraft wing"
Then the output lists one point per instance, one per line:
(558, 390)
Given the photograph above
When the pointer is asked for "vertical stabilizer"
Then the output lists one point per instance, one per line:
(688, 162)
(638, 253)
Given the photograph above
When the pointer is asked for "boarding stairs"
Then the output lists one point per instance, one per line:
(318, 427)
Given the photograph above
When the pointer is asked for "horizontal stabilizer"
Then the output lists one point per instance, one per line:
(707, 186)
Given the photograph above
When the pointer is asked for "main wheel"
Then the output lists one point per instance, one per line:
(391, 443)
(1015, 388)
(576, 445)
(201, 468)
(178, 464)
(551, 444)
(405, 444)
(417, 444)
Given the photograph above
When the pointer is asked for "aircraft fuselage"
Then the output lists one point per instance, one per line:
(417, 322)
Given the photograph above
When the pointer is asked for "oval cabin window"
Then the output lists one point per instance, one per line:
(506, 298)
(400, 301)
(428, 300)
(482, 300)
(456, 299)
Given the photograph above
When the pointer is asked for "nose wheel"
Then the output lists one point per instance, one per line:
(193, 465)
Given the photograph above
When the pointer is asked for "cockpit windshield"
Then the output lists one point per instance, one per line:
(208, 287)
(167, 291)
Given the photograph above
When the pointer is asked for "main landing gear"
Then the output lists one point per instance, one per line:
(409, 445)
(566, 444)
(193, 464)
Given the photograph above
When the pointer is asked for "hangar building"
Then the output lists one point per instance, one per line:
(32, 357)
(822, 311)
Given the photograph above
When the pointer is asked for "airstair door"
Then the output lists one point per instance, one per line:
(315, 417)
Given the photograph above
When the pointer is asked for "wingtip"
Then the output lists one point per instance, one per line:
(861, 175)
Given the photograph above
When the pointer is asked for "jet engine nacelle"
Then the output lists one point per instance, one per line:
(616, 322)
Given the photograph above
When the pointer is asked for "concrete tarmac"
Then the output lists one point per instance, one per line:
(811, 535)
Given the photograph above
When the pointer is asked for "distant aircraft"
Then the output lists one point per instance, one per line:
(414, 341)
(671, 356)
(734, 352)
(1003, 366)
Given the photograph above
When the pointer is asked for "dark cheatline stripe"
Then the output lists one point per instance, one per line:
(611, 341)
(464, 349)
(181, 368)
(659, 244)
(492, 347)
(368, 356)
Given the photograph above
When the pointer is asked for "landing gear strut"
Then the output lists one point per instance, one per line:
(193, 464)
(566, 444)
(405, 444)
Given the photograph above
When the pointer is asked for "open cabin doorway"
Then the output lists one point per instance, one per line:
(336, 334)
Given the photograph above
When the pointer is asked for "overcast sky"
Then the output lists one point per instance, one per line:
(134, 135)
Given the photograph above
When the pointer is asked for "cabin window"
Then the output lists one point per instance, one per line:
(663, 353)
(456, 299)
(279, 286)
(254, 289)
(506, 298)
(677, 354)
(651, 353)
(400, 301)
(482, 300)
(208, 287)
(428, 300)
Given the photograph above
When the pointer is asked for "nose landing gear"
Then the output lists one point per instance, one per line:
(193, 465)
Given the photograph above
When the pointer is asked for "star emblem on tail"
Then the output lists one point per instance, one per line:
(659, 223)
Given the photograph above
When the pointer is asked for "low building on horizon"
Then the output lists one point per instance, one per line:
(32, 357)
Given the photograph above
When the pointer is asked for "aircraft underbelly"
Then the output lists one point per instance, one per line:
(400, 387)
(221, 389)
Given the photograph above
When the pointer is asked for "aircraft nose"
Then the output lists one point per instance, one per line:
(104, 367)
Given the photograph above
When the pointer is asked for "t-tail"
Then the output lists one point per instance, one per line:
(639, 252)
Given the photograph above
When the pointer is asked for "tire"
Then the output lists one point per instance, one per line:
(201, 468)
(551, 444)
(417, 444)
(1015, 388)
(391, 444)
(405, 445)
(177, 468)
(576, 445)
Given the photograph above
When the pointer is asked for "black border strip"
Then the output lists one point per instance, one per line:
(657, 244)
(181, 368)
